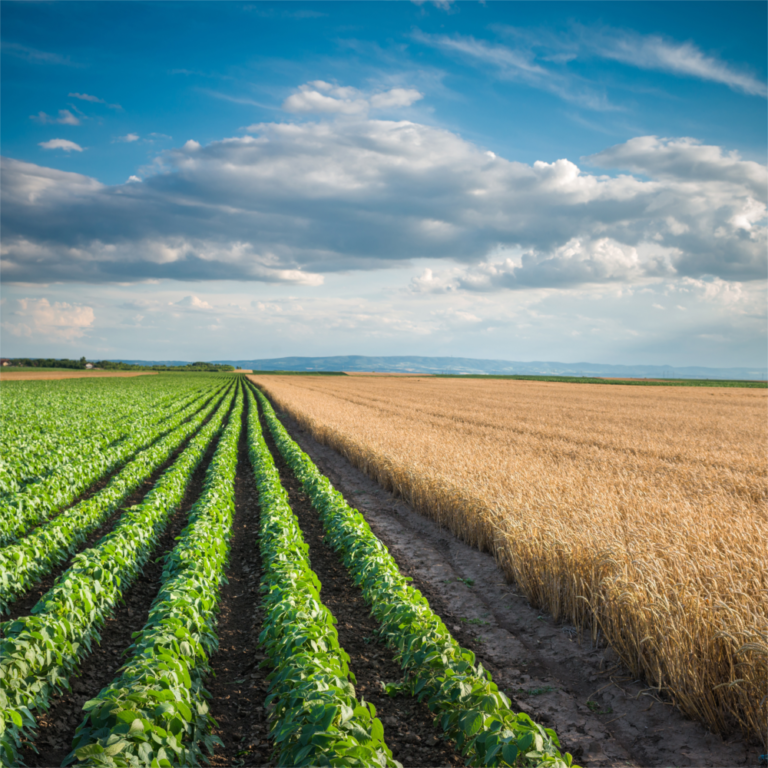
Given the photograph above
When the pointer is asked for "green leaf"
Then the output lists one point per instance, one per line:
(113, 749)
(509, 752)
(136, 726)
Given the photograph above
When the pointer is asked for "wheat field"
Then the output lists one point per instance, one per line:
(636, 512)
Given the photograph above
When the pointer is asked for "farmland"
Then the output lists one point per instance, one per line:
(635, 513)
(162, 606)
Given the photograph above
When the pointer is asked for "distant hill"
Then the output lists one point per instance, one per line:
(468, 365)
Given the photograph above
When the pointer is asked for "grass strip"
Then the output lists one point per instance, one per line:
(315, 718)
(23, 564)
(468, 705)
(155, 712)
(40, 652)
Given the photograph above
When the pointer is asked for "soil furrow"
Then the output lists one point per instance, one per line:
(237, 685)
(56, 727)
(408, 723)
(24, 604)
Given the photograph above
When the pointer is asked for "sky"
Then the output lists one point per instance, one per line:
(564, 181)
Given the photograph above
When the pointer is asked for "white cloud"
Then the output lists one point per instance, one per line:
(128, 138)
(321, 97)
(296, 201)
(193, 302)
(65, 144)
(65, 118)
(35, 55)
(578, 262)
(683, 159)
(396, 97)
(542, 59)
(38, 319)
(87, 97)
(685, 59)
(443, 5)
(93, 99)
(133, 179)
(520, 64)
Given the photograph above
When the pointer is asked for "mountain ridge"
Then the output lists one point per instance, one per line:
(468, 365)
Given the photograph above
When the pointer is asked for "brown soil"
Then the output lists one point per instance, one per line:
(56, 727)
(6, 375)
(408, 724)
(237, 684)
(546, 668)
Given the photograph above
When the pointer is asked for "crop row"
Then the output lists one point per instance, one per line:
(41, 651)
(38, 501)
(155, 712)
(315, 717)
(23, 564)
(467, 704)
(40, 435)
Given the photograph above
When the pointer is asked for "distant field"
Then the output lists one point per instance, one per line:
(41, 374)
(639, 511)
(611, 380)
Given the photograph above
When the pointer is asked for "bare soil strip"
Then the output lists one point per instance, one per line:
(56, 727)
(24, 605)
(602, 716)
(237, 685)
(409, 730)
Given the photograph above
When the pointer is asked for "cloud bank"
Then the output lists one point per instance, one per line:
(39, 318)
(319, 96)
(292, 202)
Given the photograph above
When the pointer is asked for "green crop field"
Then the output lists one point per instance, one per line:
(104, 483)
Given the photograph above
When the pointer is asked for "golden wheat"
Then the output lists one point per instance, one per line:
(636, 511)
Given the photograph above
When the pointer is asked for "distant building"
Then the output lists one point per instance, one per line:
(5, 361)
(89, 366)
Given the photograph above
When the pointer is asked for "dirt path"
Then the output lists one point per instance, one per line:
(237, 685)
(56, 727)
(602, 715)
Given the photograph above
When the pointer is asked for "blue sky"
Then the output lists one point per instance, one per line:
(563, 181)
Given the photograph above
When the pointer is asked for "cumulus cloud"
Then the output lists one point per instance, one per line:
(319, 96)
(683, 159)
(40, 318)
(65, 118)
(577, 262)
(128, 138)
(65, 144)
(295, 201)
(193, 302)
